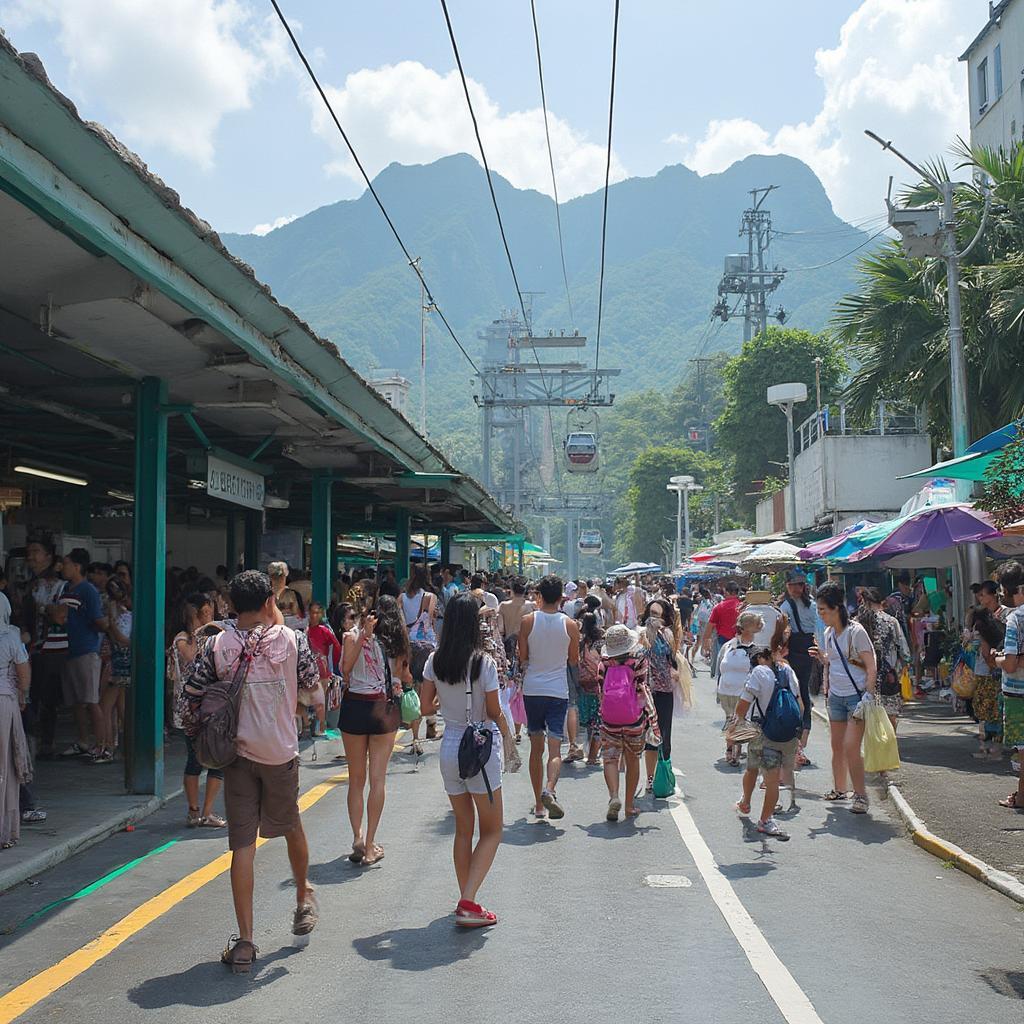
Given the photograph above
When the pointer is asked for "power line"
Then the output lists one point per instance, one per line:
(607, 176)
(551, 161)
(369, 184)
(845, 255)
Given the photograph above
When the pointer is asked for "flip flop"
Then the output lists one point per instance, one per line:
(358, 853)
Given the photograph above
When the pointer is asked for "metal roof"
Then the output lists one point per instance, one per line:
(107, 277)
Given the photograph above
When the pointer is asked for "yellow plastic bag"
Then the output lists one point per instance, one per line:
(906, 686)
(880, 751)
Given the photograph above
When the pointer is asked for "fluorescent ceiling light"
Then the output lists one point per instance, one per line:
(121, 494)
(63, 478)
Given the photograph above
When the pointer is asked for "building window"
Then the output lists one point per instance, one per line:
(997, 70)
(982, 74)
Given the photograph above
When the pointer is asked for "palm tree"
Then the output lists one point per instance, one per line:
(896, 324)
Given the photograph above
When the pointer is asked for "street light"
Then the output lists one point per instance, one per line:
(684, 486)
(786, 396)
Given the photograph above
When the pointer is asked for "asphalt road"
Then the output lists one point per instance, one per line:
(847, 922)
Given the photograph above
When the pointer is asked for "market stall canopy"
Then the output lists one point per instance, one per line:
(733, 551)
(976, 460)
(932, 530)
(635, 567)
(846, 540)
(1016, 529)
(771, 557)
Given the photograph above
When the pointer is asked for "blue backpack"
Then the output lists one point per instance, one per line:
(781, 721)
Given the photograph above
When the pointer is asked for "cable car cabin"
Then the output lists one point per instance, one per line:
(581, 453)
(591, 542)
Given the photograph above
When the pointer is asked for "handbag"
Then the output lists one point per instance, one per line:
(477, 741)
(881, 753)
(410, 706)
(664, 778)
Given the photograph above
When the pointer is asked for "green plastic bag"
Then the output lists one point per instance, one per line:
(410, 705)
(664, 779)
(880, 751)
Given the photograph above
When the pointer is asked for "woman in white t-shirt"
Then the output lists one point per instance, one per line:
(458, 664)
(733, 670)
(849, 678)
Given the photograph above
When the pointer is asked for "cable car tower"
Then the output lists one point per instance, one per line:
(517, 376)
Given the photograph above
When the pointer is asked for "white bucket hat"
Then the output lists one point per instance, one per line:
(619, 640)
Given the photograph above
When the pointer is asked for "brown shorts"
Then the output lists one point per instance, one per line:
(766, 755)
(81, 679)
(260, 798)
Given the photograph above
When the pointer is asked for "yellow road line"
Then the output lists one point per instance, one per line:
(44, 984)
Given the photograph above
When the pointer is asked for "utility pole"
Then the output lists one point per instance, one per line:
(747, 276)
(702, 362)
(425, 308)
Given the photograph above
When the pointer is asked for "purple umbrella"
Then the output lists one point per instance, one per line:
(933, 529)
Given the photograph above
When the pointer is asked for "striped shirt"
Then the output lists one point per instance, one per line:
(1013, 643)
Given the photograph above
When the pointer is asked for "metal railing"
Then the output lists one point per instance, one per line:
(889, 418)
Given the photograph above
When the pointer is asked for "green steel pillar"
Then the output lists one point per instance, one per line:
(402, 538)
(445, 546)
(144, 769)
(323, 553)
(253, 532)
(519, 546)
(230, 545)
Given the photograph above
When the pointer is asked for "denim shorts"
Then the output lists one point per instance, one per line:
(841, 709)
(546, 715)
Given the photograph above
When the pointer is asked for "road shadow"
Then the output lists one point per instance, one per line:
(752, 836)
(331, 872)
(210, 983)
(1007, 983)
(757, 869)
(439, 944)
(841, 823)
(617, 829)
(530, 832)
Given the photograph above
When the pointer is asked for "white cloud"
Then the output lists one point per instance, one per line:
(168, 70)
(894, 70)
(265, 229)
(409, 113)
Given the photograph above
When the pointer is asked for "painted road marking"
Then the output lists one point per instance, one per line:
(780, 984)
(667, 881)
(44, 984)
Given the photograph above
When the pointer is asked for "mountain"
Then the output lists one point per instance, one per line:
(340, 268)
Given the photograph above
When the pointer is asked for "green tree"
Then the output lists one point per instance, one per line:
(896, 322)
(750, 430)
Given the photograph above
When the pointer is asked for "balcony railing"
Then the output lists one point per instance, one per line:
(889, 418)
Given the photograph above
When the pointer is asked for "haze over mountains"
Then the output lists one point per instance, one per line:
(340, 268)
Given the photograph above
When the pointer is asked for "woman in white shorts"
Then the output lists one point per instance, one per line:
(458, 660)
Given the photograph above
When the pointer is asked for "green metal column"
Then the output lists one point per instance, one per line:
(323, 553)
(445, 545)
(230, 545)
(402, 540)
(253, 532)
(145, 758)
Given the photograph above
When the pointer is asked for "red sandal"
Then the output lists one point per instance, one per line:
(471, 915)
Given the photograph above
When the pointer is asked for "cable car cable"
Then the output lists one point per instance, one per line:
(373, 191)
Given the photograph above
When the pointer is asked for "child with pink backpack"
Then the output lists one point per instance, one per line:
(624, 716)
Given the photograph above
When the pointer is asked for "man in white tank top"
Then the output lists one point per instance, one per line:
(549, 642)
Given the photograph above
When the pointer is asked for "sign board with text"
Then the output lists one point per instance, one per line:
(230, 482)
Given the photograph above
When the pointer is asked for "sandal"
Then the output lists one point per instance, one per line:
(859, 805)
(358, 853)
(834, 795)
(742, 808)
(369, 859)
(239, 955)
(212, 821)
(1011, 803)
(9, 845)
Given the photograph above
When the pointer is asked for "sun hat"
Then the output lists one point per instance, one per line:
(796, 576)
(570, 589)
(619, 640)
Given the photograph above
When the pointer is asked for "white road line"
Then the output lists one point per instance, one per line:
(787, 995)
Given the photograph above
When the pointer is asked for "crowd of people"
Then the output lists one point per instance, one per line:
(593, 670)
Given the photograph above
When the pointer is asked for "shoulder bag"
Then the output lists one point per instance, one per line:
(477, 741)
(846, 665)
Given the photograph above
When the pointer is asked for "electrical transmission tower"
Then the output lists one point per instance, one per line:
(748, 275)
(699, 434)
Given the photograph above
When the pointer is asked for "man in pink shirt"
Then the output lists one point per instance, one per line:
(261, 786)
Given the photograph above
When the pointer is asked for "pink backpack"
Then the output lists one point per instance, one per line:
(620, 704)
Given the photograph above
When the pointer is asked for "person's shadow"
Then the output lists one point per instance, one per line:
(209, 984)
(439, 944)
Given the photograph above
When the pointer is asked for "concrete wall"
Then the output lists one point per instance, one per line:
(1001, 124)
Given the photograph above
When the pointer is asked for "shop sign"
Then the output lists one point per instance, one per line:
(233, 483)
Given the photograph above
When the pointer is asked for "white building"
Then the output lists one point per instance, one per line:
(995, 70)
(845, 473)
(392, 387)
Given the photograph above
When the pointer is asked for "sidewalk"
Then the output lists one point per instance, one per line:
(955, 795)
(84, 803)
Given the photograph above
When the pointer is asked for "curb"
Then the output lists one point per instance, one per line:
(47, 859)
(1001, 881)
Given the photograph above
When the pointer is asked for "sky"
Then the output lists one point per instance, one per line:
(211, 96)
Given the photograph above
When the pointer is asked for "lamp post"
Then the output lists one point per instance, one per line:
(786, 396)
(684, 486)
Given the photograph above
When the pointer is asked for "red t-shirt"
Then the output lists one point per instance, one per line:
(724, 616)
